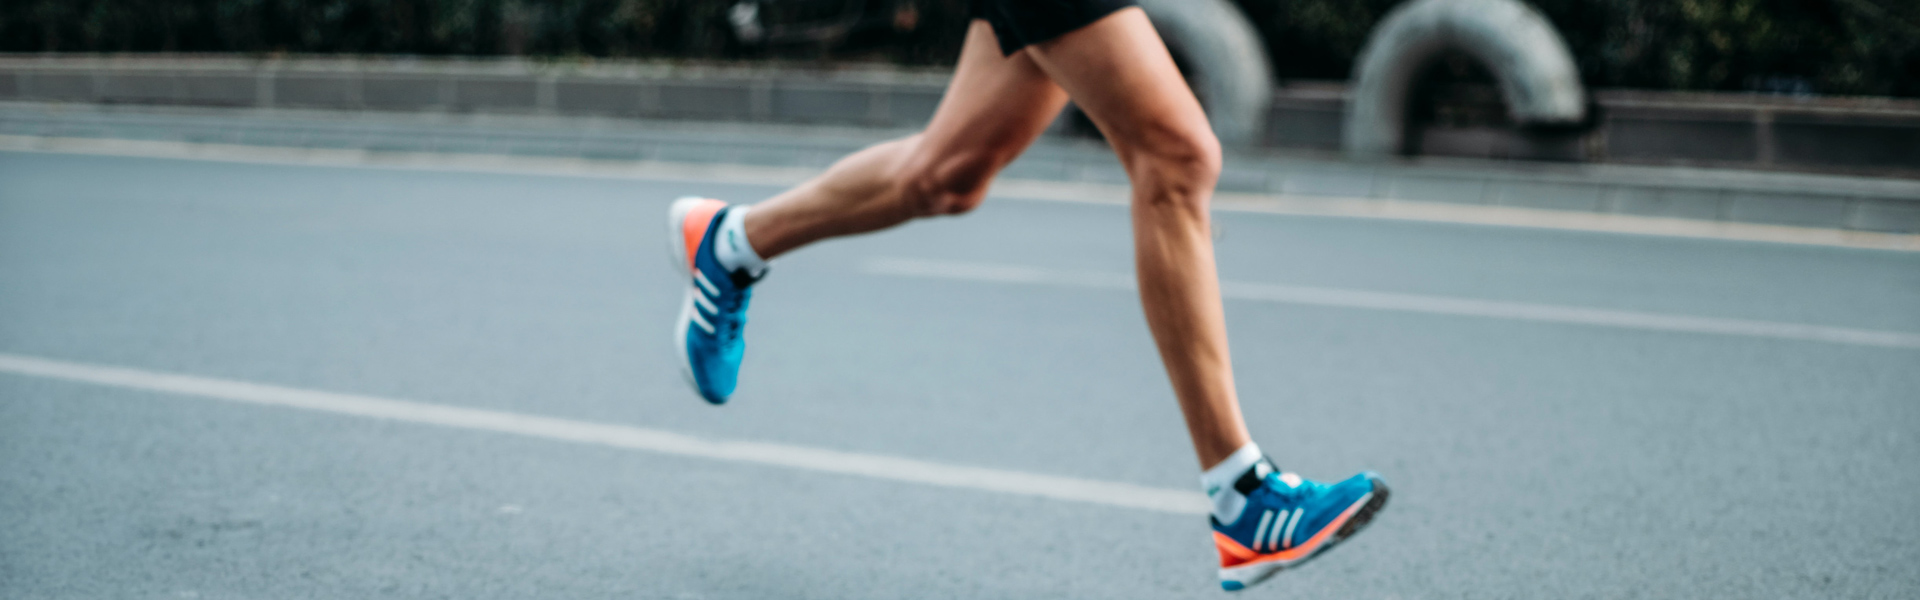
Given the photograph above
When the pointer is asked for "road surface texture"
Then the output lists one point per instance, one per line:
(223, 380)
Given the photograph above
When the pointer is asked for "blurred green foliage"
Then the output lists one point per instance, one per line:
(1794, 46)
(694, 29)
(481, 27)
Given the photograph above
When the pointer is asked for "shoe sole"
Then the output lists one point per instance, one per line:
(1239, 578)
(677, 259)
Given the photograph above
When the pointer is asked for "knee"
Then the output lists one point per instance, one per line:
(947, 183)
(1177, 167)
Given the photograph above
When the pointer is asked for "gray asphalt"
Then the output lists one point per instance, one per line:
(1529, 460)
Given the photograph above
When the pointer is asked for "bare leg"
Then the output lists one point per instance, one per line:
(994, 108)
(1119, 72)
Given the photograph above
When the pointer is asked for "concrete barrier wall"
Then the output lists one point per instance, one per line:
(1863, 136)
(1871, 136)
(852, 96)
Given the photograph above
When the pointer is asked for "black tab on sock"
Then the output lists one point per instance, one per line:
(1250, 480)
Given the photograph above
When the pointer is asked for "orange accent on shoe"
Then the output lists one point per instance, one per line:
(1289, 554)
(695, 225)
(1231, 552)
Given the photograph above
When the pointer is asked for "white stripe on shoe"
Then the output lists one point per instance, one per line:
(1273, 537)
(703, 302)
(1291, 523)
(1266, 517)
(701, 278)
(700, 320)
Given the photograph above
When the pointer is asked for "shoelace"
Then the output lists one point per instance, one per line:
(732, 318)
(1290, 493)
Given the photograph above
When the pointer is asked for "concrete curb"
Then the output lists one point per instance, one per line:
(1788, 199)
(1091, 193)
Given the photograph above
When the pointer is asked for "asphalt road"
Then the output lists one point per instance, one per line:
(1530, 458)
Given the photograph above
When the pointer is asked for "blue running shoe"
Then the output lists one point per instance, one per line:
(1289, 521)
(707, 334)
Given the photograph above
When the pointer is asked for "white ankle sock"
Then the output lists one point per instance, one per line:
(731, 247)
(1219, 481)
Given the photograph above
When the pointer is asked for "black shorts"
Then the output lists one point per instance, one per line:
(1019, 23)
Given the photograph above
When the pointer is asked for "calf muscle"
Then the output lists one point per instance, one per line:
(1119, 72)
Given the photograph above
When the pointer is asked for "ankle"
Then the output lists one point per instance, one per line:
(1225, 482)
(731, 247)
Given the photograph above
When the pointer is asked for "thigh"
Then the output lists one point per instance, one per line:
(995, 106)
(1118, 71)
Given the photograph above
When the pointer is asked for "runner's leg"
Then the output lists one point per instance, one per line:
(1263, 521)
(1119, 72)
(993, 109)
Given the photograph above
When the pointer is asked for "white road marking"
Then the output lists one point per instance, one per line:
(890, 468)
(1474, 214)
(1010, 188)
(1416, 303)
